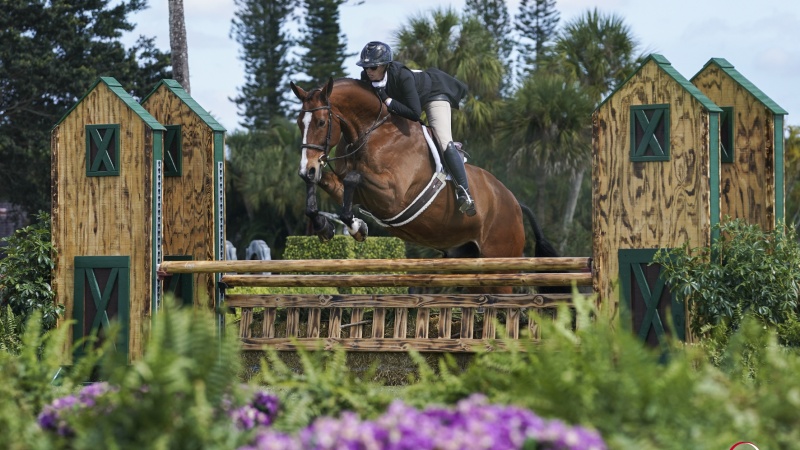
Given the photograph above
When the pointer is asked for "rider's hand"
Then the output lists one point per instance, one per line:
(381, 91)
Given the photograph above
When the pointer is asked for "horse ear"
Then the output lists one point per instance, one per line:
(329, 88)
(298, 91)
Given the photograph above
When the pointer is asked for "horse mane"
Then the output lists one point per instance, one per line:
(350, 84)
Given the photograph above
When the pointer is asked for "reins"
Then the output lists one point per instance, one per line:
(363, 138)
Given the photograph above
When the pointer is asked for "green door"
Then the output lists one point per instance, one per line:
(102, 295)
(646, 299)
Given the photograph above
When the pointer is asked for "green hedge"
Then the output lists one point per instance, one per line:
(340, 247)
(344, 247)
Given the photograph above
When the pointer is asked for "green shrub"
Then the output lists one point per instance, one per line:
(637, 397)
(745, 271)
(345, 247)
(33, 376)
(26, 271)
(174, 397)
(11, 328)
(324, 386)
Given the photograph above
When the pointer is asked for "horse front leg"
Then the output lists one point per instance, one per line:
(319, 224)
(355, 226)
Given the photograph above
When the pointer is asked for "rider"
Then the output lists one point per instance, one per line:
(406, 92)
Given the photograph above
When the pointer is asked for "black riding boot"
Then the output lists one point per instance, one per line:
(455, 165)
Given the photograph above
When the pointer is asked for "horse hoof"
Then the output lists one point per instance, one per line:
(362, 233)
(326, 234)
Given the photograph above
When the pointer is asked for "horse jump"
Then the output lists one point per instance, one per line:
(442, 322)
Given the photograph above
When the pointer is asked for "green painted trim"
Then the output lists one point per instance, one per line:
(173, 140)
(727, 143)
(780, 177)
(660, 116)
(123, 95)
(93, 166)
(122, 266)
(728, 68)
(627, 258)
(102, 262)
(666, 66)
(181, 93)
(219, 146)
(714, 174)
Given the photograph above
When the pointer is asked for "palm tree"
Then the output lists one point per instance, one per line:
(263, 180)
(597, 51)
(178, 45)
(545, 127)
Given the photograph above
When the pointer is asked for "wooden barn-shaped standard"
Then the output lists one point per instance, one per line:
(655, 185)
(106, 189)
(751, 145)
(193, 209)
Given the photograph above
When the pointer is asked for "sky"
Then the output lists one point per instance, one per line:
(760, 39)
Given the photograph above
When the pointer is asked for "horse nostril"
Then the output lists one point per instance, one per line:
(311, 173)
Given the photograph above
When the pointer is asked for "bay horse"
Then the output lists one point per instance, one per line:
(383, 163)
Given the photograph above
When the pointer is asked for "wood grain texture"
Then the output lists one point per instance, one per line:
(747, 186)
(188, 200)
(402, 301)
(641, 205)
(481, 265)
(415, 279)
(104, 216)
(381, 345)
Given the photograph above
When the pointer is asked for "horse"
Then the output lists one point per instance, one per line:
(383, 163)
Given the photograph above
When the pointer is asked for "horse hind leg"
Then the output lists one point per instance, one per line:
(319, 224)
(355, 226)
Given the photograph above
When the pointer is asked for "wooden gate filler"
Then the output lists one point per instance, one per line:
(458, 314)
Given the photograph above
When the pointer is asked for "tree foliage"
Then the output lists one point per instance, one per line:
(598, 50)
(260, 28)
(324, 42)
(265, 195)
(25, 274)
(745, 271)
(50, 54)
(493, 15)
(536, 25)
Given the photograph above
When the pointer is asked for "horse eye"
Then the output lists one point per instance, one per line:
(321, 122)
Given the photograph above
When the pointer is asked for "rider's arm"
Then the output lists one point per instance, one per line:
(404, 99)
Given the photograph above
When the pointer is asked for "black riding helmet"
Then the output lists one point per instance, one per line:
(375, 54)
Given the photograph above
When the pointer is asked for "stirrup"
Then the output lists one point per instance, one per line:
(465, 203)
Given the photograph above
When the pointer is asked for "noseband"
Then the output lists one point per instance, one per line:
(363, 138)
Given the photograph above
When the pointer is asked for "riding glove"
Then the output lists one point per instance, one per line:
(381, 91)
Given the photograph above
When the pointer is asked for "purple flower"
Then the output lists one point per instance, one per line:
(472, 424)
(54, 416)
(261, 411)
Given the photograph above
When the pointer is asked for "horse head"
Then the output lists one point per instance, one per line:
(318, 127)
(351, 110)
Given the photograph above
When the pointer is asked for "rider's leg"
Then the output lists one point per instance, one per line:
(455, 165)
(439, 118)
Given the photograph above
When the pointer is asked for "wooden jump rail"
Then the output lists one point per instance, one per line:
(465, 337)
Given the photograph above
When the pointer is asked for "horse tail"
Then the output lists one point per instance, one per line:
(543, 247)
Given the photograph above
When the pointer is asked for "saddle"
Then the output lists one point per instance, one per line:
(426, 197)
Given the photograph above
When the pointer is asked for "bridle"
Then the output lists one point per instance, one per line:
(363, 138)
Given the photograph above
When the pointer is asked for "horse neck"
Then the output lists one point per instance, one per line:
(358, 108)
